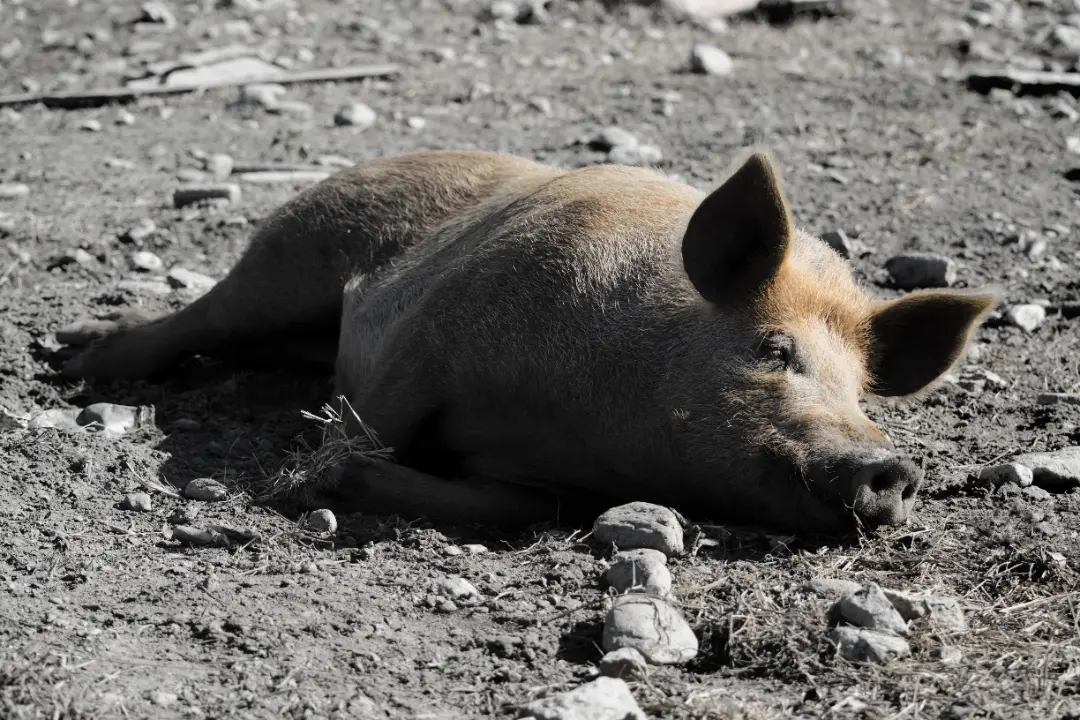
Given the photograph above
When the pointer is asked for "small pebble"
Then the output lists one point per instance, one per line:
(140, 233)
(613, 137)
(206, 489)
(179, 277)
(199, 536)
(265, 95)
(833, 588)
(710, 60)
(125, 118)
(1012, 472)
(219, 165)
(147, 261)
(640, 525)
(90, 125)
(626, 663)
(503, 10)
(458, 589)
(322, 521)
(355, 115)
(13, 191)
(652, 627)
(1026, 317)
(869, 608)
(921, 270)
(139, 502)
(182, 197)
(635, 155)
(604, 698)
(163, 699)
(864, 645)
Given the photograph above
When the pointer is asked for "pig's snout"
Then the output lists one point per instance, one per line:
(880, 488)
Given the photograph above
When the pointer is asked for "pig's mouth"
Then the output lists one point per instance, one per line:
(866, 491)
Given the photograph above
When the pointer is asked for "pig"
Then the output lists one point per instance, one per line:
(516, 334)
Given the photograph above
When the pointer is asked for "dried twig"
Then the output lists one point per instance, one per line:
(103, 96)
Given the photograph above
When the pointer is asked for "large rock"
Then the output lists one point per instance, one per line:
(640, 525)
(864, 645)
(943, 613)
(652, 627)
(602, 699)
(869, 608)
(1058, 470)
(642, 570)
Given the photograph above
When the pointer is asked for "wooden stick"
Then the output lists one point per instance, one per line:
(103, 96)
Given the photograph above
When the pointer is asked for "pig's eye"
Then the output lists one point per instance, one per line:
(778, 351)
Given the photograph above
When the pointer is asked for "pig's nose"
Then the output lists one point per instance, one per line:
(884, 489)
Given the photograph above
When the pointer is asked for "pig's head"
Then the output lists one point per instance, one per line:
(781, 347)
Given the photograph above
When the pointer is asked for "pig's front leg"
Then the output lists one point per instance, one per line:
(372, 485)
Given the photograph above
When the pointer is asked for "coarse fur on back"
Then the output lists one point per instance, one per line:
(512, 331)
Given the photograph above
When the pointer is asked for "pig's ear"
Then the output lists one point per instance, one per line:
(737, 238)
(917, 338)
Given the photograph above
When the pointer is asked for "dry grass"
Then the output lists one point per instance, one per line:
(308, 468)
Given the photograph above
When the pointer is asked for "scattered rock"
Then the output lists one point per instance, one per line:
(198, 536)
(640, 573)
(179, 277)
(503, 10)
(355, 115)
(206, 489)
(265, 95)
(1058, 470)
(613, 137)
(832, 588)
(626, 663)
(219, 165)
(943, 613)
(146, 261)
(125, 118)
(635, 155)
(14, 191)
(640, 525)
(322, 521)
(1058, 399)
(141, 232)
(864, 645)
(182, 197)
(157, 13)
(920, 270)
(458, 589)
(163, 699)
(107, 418)
(652, 627)
(604, 698)
(475, 548)
(139, 502)
(1034, 492)
(1011, 472)
(710, 60)
(1026, 317)
(868, 607)
(975, 379)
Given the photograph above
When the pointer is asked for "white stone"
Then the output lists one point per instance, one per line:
(626, 663)
(639, 574)
(1027, 317)
(604, 698)
(1057, 470)
(146, 260)
(868, 607)
(652, 627)
(458, 589)
(864, 645)
(640, 525)
(205, 489)
(635, 155)
(355, 115)
(710, 60)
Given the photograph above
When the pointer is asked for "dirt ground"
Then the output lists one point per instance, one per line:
(877, 135)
